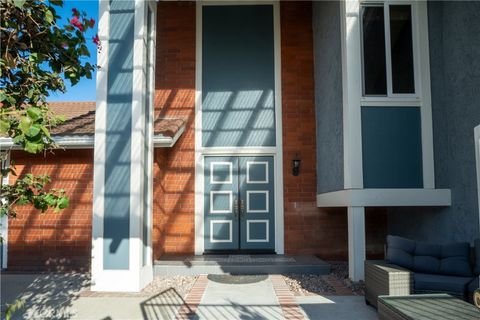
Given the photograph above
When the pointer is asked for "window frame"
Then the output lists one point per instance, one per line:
(407, 99)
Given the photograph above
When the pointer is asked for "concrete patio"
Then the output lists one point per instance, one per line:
(67, 296)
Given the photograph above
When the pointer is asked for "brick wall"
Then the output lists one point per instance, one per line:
(174, 179)
(54, 241)
(308, 229)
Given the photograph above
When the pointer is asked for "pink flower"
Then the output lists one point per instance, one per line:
(92, 22)
(76, 23)
(96, 40)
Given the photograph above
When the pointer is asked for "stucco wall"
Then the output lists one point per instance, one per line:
(328, 95)
(454, 32)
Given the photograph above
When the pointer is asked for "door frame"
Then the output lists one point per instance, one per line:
(276, 152)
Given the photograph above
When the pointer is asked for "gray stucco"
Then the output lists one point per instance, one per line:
(454, 32)
(328, 95)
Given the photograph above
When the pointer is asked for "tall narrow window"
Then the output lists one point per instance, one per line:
(388, 59)
(374, 62)
(402, 49)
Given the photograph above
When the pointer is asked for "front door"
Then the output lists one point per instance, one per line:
(239, 208)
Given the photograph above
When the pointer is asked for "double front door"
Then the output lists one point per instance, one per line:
(239, 208)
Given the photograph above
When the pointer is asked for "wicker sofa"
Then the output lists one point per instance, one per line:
(413, 267)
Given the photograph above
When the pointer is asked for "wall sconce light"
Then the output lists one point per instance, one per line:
(296, 165)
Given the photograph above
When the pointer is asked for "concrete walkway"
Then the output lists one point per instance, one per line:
(240, 301)
(54, 296)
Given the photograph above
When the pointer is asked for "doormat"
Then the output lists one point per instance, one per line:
(236, 279)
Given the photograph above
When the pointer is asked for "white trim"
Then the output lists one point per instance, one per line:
(426, 95)
(385, 198)
(385, 4)
(87, 142)
(230, 177)
(137, 275)
(230, 202)
(276, 152)
(267, 201)
(99, 277)
(422, 96)
(352, 93)
(477, 157)
(230, 235)
(267, 227)
(4, 219)
(199, 160)
(265, 163)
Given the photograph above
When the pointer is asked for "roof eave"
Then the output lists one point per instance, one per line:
(87, 141)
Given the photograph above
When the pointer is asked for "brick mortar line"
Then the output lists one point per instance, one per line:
(286, 299)
(193, 298)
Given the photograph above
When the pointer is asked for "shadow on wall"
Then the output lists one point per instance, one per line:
(54, 241)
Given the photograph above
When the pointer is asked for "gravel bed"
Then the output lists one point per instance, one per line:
(308, 284)
(340, 271)
(305, 284)
(181, 284)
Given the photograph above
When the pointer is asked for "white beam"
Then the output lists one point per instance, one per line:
(385, 198)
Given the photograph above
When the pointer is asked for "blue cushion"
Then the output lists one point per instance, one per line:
(449, 259)
(426, 249)
(400, 251)
(426, 264)
(440, 283)
(456, 266)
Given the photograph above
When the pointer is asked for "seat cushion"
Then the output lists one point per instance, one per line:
(400, 251)
(449, 259)
(440, 283)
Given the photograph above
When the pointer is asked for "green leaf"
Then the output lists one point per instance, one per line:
(3, 96)
(45, 131)
(33, 147)
(34, 113)
(48, 16)
(19, 3)
(25, 124)
(62, 203)
(4, 126)
(34, 130)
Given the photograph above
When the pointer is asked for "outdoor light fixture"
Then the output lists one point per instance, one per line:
(296, 165)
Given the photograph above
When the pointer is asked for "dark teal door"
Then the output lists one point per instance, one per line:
(239, 203)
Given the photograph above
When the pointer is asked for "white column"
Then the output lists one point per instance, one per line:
(356, 243)
(121, 244)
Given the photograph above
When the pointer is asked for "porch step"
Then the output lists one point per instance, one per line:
(239, 264)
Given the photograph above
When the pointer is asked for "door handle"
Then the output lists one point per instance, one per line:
(242, 207)
(235, 207)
